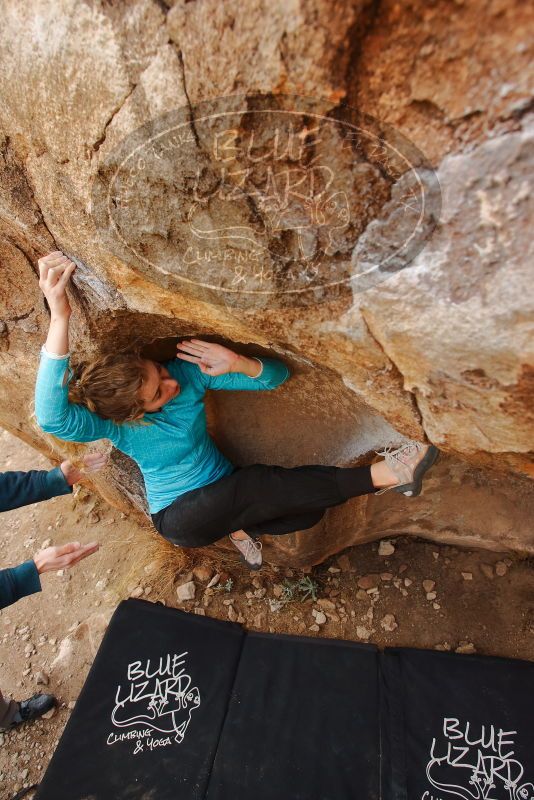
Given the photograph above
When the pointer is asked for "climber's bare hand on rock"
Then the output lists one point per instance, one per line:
(215, 359)
(211, 358)
(55, 270)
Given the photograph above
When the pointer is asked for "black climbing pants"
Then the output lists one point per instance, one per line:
(260, 499)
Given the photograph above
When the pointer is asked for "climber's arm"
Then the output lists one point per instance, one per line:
(53, 411)
(270, 373)
(55, 270)
(55, 414)
(24, 488)
(218, 367)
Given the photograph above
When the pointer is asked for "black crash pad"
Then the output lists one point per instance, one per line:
(181, 707)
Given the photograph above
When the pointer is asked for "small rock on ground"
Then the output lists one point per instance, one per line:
(386, 548)
(344, 563)
(202, 573)
(389, 623)
(487, 570)
(368, 581)
(466, 648)
(186, 591)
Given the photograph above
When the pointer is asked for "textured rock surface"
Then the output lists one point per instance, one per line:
(441, 348)
(463, 337)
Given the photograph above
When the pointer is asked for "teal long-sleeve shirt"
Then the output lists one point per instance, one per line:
(18, 582)
(172, 446)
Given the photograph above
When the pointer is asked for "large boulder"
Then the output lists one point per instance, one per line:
(150, 141)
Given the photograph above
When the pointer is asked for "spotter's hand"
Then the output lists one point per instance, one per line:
(92, 462)
(64, 556)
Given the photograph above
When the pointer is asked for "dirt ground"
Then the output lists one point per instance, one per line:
(473, 601)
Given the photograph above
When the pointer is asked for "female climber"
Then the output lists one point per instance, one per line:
(154, 412)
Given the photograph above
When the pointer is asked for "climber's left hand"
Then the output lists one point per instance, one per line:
(215, 359)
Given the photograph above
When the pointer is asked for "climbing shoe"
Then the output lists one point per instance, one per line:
(409, 463)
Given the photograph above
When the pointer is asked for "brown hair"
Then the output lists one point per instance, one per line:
(110, 386)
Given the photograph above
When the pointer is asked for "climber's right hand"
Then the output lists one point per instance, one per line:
(55, 270)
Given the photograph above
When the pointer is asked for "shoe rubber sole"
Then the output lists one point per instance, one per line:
(413, 489)
(253, 567)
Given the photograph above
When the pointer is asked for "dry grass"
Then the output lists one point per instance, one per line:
(154, 561)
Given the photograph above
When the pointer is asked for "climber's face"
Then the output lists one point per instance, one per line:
(158, 386)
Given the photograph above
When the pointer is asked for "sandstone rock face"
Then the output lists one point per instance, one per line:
(342, 185)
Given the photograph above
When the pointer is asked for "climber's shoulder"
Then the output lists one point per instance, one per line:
(184, 372)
